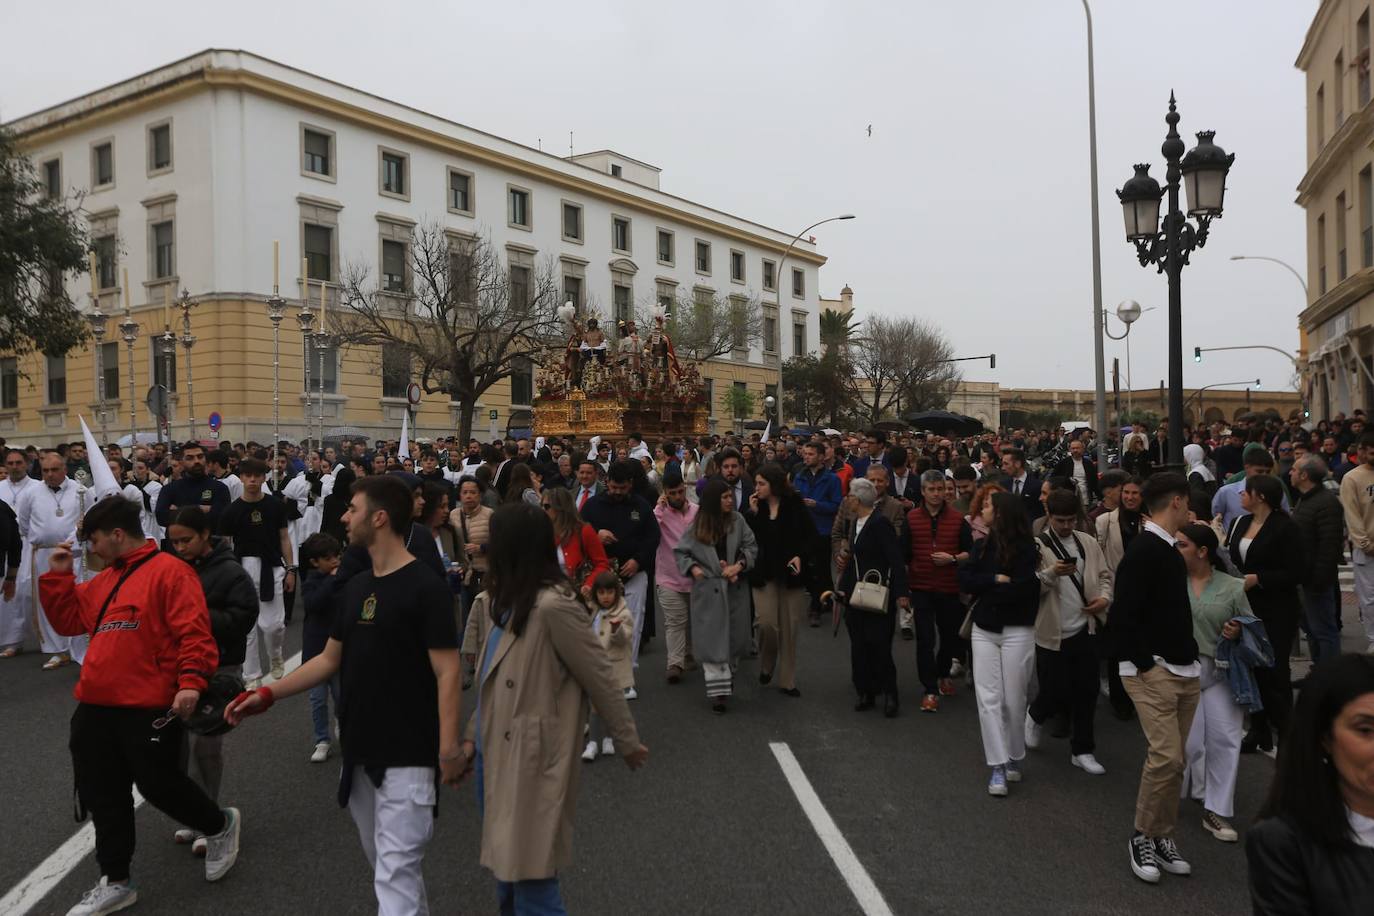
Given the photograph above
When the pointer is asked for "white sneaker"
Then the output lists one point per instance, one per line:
(105, 898)
(589, 752)
(956, 667)
(184, 835)
(200, 847)
(321, 753)
(222, 849)
(1088, 764)
(1032, 732)
(252, 683)
(607, 747)
(631, 693)
(278, 668)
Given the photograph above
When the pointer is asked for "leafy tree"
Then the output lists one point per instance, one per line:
(738, 401)
(817, 388)
(462, 322)
(706, 326)
(42, 240)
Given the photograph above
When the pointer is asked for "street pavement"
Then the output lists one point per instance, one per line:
(709, 826)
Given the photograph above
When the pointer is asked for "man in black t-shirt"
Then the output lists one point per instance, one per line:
(394, 644)
(257, 526)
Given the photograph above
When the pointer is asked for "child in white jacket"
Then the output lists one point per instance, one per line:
(614, 626)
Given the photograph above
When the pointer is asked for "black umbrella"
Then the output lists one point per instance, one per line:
(756, 424)
(942, 421)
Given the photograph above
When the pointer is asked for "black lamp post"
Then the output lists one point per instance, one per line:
(1203, 171)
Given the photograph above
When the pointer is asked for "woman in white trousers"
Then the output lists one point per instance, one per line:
(1213, 747)
(1000, 574)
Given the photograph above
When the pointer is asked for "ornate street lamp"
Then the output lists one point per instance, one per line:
(128, 329)
(1204, 169)
(188, 341)
(99, 321)
(306, 318)
(276, 311)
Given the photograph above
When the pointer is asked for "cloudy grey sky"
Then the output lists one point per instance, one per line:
(972, 193)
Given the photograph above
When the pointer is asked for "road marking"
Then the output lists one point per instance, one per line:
(36, 885)
(851, 869)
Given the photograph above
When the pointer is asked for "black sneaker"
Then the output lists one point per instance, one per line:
(1143, 861)
(1166, 854)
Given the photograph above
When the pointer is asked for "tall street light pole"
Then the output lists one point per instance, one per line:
(1204, 170)
(1099, 370)
(1291, 269)
(777, 283)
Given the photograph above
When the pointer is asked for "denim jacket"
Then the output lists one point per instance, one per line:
(1239, 657)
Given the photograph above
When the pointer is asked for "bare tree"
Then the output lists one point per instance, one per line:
(704, 326)
(461, 317)
(901, 363)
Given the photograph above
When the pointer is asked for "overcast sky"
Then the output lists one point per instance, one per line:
(972, 194)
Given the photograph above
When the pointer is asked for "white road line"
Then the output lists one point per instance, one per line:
(36, 885)
(851, 869)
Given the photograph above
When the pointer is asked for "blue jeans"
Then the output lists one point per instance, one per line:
(320, 695)
(1321, 616)
(539, 897)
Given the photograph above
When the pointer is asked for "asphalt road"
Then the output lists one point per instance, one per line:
(710, 826)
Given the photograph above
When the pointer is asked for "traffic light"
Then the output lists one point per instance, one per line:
(1197, 354)
(992, 361)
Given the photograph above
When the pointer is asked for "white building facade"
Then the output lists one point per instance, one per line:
(190, 172)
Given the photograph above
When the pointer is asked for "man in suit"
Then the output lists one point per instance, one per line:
(1021, 482)
(513, 456)
(740, 483)
(1082, 473)
(588, 485)
(904, 485)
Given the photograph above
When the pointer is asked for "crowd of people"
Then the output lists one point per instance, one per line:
(534, 572)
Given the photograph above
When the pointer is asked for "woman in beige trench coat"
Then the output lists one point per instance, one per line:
(536, 666)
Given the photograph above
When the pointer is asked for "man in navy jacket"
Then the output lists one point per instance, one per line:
(819, 489)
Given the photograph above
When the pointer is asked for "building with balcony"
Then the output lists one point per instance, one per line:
(190, 172)
(1337, 192)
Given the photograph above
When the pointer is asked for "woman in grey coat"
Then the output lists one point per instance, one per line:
(716, 551)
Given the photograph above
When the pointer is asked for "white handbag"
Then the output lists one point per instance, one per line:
(870, 594)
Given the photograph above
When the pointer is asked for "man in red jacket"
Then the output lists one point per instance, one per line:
(940, 539)
(151, 654)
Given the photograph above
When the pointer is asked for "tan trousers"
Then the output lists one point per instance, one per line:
(778, 612)
(677, 624)
(1165, 704)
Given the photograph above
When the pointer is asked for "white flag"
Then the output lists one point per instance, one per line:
(767, 431)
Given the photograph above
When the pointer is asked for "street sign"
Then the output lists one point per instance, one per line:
(413, 394)
(156, 400)
(216, 421)
(493, 414)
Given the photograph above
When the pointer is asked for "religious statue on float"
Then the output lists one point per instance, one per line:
(661, 356)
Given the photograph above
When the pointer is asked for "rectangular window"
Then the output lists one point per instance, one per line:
(620, 234)
(1338, 90)
(160, 148)
(322, 361)
(615, 171)
(394, 174)
(459, 191)
(572, 292)
(703, 257)
(109, 370)
(1340, 237)
(462, 273)
(770, 334)
(164, 261)
(522, 382)
(9, 383)
(737, 266)
(1321, 255)
(319, 243)
(1319, 104)
(102, 164)
(519, 288)
(572, 222)
(52, 178)
(164, 352)
(57, 379)
(518, 207)
(665, 247)
(317, 148)
(1362, 56)
(106, 260)
(798, 339)
(1366, 218)
(798, 283)
(393, 266)
(395, 371)
(620, 298)
(770, 276)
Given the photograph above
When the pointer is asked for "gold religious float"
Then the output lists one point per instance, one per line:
(612, 387)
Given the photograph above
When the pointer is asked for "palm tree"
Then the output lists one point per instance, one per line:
(837, 328)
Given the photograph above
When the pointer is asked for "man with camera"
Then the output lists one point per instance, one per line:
(150, 657)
